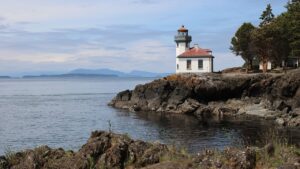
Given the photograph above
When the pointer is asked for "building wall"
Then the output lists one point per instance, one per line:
(269, 67)
(292, 62)
(181, 48)
(182, 63)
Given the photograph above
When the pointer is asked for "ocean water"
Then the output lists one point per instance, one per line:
(63, 112)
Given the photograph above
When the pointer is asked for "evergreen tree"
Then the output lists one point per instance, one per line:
(242, 45)
(293, 17)
(279, 30)
(262, 38)
(267, 16)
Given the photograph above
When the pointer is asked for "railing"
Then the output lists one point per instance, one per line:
(183, 38)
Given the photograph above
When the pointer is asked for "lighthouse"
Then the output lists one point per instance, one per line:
(191, 59)
(182, 40)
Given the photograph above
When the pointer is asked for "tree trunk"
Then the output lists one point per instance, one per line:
(265, 66)
(250, 64)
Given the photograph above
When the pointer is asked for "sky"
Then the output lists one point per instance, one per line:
(57, 36)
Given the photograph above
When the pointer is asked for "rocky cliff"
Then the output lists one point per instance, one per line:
(272, 96)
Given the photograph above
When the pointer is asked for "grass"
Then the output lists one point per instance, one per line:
(175, 154)
(277, 153)
(11, 157)
(283, 153)
(91, 162)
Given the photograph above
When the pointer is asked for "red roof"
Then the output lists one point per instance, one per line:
(196, 52)
(182, 29)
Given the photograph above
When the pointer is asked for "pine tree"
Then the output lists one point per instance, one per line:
(293, 16)
(267, 16)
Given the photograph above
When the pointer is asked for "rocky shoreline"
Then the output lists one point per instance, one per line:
(270, 96)
(106, 150)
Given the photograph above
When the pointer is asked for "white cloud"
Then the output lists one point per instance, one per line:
(119, 34)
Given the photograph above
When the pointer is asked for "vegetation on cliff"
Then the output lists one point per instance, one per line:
(275, 39)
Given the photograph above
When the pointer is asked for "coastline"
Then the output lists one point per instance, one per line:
(269, 96)
(240, 96)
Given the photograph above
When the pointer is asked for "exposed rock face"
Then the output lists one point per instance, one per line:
(270, 96)
(230, 158)
(106, 150)
(102, 150)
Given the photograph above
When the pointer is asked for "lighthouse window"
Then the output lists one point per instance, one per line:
(189, 65)
(177, 66)
(200, 64)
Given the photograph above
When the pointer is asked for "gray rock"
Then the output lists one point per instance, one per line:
(280, 121)
(203, 112)
(189, 106)
(281, 105)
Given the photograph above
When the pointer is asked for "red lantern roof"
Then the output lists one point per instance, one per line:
(182, 29)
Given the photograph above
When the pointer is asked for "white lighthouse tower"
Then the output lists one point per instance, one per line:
(182, 40)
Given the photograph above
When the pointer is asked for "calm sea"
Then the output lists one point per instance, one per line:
(63, 112)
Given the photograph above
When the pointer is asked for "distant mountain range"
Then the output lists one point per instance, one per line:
(4, 77)
(134, 73)
(102, 73)
(68, 76)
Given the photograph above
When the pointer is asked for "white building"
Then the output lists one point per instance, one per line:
(261, 65)
(191, 60)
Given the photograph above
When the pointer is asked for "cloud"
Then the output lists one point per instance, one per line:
(120, 34)
(114, 46)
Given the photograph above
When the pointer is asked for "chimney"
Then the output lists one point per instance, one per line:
(196, 45)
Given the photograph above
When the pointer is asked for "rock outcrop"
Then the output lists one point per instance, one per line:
(105, 150)
(273, 96)
(102, 150)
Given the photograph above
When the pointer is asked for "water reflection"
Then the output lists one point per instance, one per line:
(188, 132)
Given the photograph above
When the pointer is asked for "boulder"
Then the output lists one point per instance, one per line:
(188, 107)
(241, 159)
(280, 121)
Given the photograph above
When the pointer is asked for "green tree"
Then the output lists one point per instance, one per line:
(262, 39)
(281, 37)
(267, 16)
(242, 44)
(293, 17)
